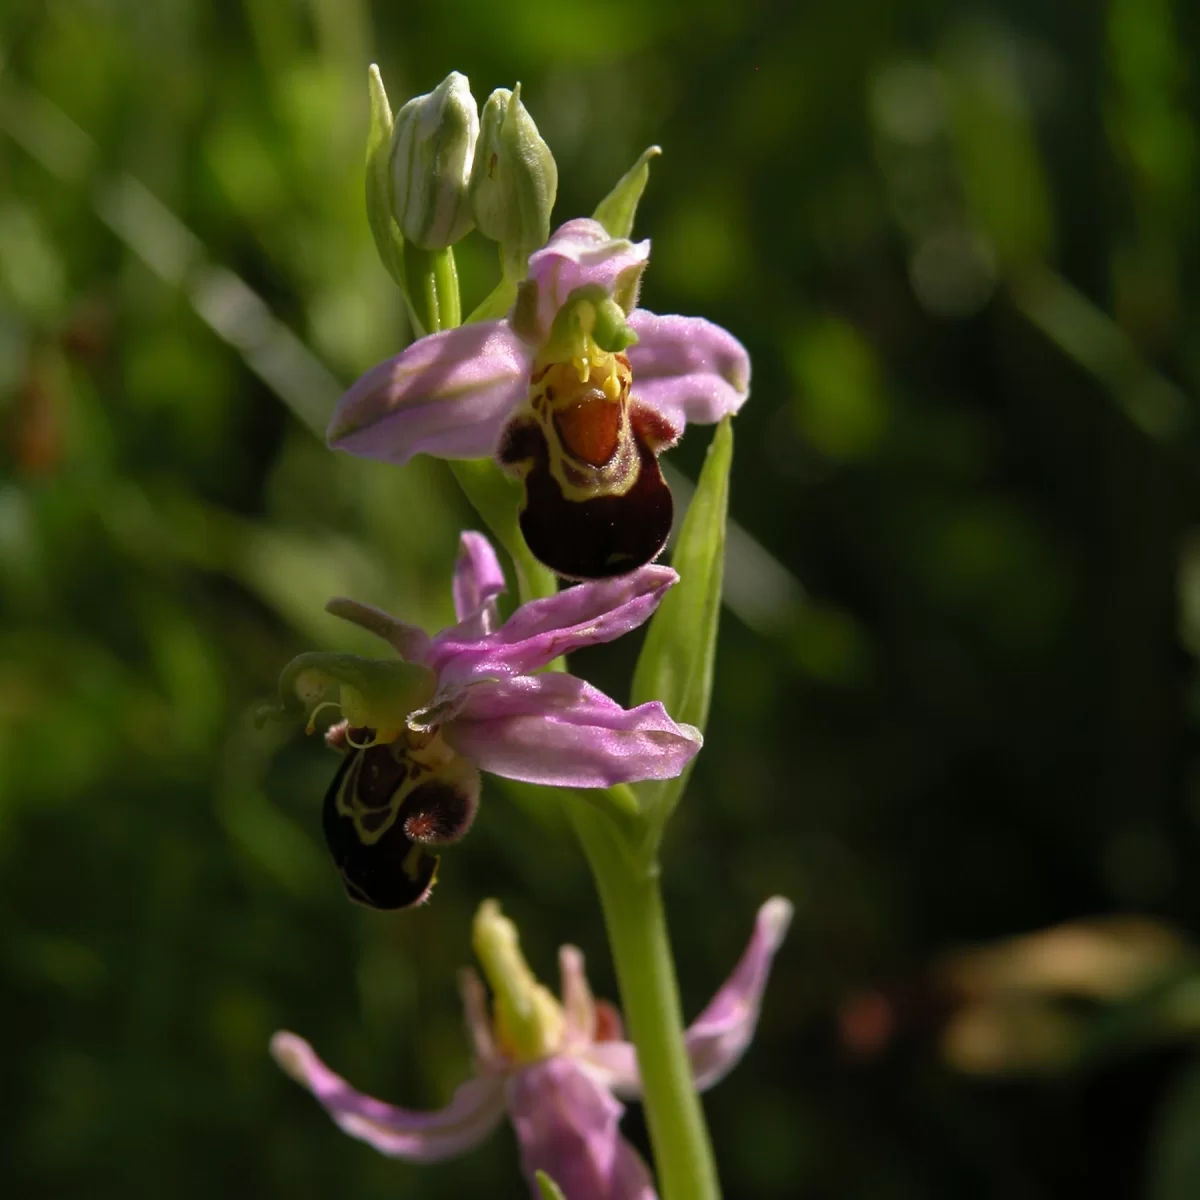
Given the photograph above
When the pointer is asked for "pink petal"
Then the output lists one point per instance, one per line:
(579, 1008)
(578, 253)
(718, 1037)
(538, 632)
(475, 1110)
(555, 729)
(478, 580)
(448, 394)
(615, 1064)
(688, 369)
(488, 1057)
(568, 1125)
(720, 1034)
(592, 1029)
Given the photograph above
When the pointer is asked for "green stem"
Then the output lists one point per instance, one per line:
(432, 290)
(445, 271)
(628, 883)
(631, 900)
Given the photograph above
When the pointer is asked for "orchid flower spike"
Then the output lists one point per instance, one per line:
(557, 1068)
(576, 392)
(415, 730)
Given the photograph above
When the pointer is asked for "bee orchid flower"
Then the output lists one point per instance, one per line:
(575, 392)
(415, 731)
(556, 1068)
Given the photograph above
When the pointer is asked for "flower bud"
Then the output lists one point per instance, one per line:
(433, 148)
(514, 180)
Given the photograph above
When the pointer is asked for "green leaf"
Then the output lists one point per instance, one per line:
(388, 241)
(549, 1189)
(546, 804)
(616, 211)
(676, 663)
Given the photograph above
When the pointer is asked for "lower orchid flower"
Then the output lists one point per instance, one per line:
(576, 392)
(556, 1068)
(414, 731)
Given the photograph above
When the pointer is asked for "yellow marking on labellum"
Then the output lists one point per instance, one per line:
(415, 760)
(581, 406)
(413, 862)
(386, 806)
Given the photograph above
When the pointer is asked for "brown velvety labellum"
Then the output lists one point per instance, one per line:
(596, 538)
(438, 812)
(590, 428)
(391, 872)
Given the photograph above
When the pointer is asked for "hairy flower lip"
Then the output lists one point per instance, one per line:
(481, 704)
(565, 1107)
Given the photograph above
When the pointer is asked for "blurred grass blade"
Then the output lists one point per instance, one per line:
(617, 210)
(1174, 1159)
(676, 663)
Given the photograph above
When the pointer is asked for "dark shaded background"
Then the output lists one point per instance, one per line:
(956, 695)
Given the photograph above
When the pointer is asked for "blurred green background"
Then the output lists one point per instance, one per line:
(957, 695)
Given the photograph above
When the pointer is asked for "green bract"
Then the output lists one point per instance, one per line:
(617, 210)
(379, 204)
(676, 663)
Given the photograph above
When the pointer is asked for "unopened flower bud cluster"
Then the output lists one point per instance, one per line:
(450, 173)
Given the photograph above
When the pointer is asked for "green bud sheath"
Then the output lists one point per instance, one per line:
(513, 182)
(432, 152)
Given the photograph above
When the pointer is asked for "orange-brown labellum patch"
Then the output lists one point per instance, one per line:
(590, 429)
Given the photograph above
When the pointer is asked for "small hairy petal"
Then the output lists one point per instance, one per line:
(476, 1108)
(448, 394)
(568, 1125)
(555, 729)
(479, 1022)
(718, 1037)
(538, 632)
(478, 580)
(579, 1009)
(615, 1064)
(578, 253)
(688, 369)
(409, 641)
